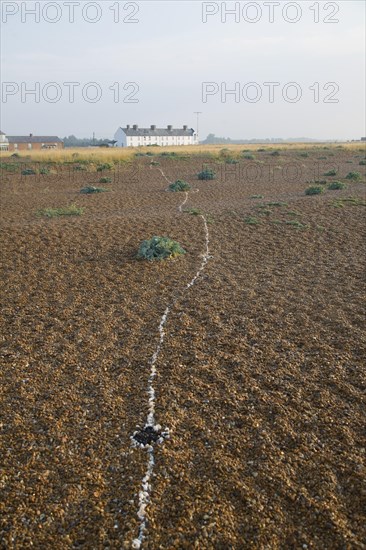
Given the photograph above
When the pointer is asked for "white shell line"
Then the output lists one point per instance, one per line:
(145, 491)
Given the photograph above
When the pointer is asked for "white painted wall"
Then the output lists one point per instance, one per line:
(120, 138)
(163, 141)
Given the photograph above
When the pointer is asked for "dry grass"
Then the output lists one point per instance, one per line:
(126, 154)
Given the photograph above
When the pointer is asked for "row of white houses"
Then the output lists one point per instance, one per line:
(133, 136)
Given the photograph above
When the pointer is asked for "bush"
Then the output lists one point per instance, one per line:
(231, 161)
(330, 173)
(314, 190)
(105, 180)
(362, 163)
(90, 190)
(159, 248)
(179, 185)
(251, 220)
(336, 185)
(8, 166)
(275, 154)
(72, 210)
(105, 166)
(207, 174)
(80, 168)
(168, 154)
(154, 163)
(353, 176)
(296, 223)
(44, 171)
(249, 156)
(304, 155)
(193, 211)
(28, 172)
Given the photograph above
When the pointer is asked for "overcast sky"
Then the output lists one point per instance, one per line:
(180, 64)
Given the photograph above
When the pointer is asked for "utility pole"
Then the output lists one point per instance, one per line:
(198, 113)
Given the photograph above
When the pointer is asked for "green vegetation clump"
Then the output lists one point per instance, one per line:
(257, 197)
(275, 154)
(8, 166)
(154, 163)
(331, 173)
(28, 172)
(159, 248)
(314, 190)
(231, 161)
(277, 204)
(304, 155)
(251, 220)
(44, 171)
(167, 154)
(249, 156)
(90, 190)
(105, 180)
(80, 168)
(355, 176)
(355, 201)
(207, 174)
(193, 211)
(296, 223)
(104, 166)
(179, 185)
(72, 210)
(362, 163)
(337, 185)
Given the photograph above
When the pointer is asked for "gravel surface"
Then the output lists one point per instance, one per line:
(260, 380)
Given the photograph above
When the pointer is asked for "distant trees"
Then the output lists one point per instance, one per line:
(73, 141)
(213, 140)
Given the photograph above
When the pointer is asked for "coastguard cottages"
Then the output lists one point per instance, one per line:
(138, 137)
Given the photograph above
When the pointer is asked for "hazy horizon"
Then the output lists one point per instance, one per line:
(169, 63)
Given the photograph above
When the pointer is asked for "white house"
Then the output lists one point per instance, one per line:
(138, 137)
(4, 142)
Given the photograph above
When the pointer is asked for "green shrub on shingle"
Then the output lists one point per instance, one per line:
(353, 176)
(179, 185)
(336, 185)
(207, 174)
(314, 190)
(159, 248)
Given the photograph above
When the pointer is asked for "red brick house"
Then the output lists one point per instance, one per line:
(29, 143)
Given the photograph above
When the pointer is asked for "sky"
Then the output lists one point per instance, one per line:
(256, 69)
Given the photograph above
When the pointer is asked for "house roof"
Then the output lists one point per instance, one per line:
(158, 132)
(2, 133)
(34, 139)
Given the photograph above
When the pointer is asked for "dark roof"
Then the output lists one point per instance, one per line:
(158, 132)
(34, 139)
(2, 133)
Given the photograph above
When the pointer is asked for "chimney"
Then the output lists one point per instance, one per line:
(170, 128)
(185, 127)
(30, 135)
(153, 127)
(127, 127)
(135, 126)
